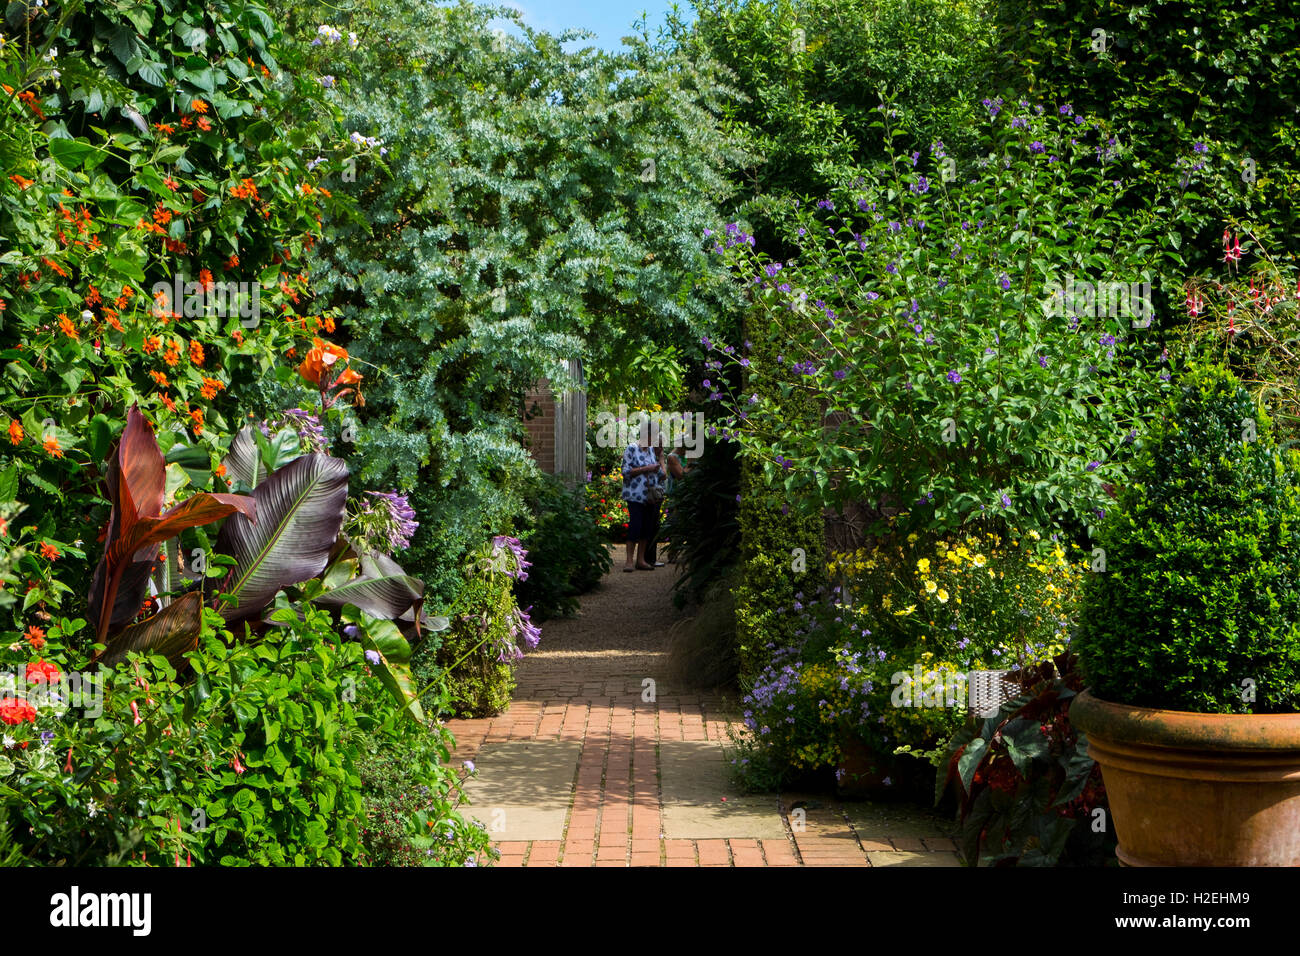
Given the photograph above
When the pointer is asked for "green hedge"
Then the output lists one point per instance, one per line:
(770, 534)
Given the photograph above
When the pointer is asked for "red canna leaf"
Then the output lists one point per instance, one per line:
(136, 476)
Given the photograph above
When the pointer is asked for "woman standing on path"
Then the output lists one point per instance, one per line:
(642, 490)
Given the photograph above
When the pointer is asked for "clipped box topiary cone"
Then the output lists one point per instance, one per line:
(1189, 641)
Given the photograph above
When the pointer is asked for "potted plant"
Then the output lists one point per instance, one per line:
(1189, 640)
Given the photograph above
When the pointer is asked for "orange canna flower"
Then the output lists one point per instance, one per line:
(349, 377)
(52, 446)
(15, 432)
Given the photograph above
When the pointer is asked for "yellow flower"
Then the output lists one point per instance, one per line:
(887, 602)
(930, 586)
(911, 539)
(978, 560)
(942, 596)
(923, 565)
(906, 611)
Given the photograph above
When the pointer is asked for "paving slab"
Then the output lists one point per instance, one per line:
(523, 788)
(881, 821)
(699, 801)
(903, 858)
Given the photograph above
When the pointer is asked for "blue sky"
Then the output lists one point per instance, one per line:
(608, 19)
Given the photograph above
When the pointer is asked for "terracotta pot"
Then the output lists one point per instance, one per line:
(1197, 789)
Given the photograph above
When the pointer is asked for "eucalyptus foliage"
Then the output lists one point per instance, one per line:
(524, 205)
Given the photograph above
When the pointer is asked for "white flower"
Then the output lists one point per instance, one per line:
(353, 42)
(54, 51)
(9, 741)
(92, 808)
(3, 41)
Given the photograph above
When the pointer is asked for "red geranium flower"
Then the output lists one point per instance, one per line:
(15, 711)
(42, 672)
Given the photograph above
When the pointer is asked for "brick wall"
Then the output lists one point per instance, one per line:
(539, 420)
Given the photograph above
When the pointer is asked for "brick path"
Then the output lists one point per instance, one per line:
(585, 684)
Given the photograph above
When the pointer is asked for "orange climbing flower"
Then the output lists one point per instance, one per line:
(205, 280)
(167, 402)
(232, 262)
(246, 189)
(198, 106)
(152, 343)
(49, 551)
(65, 324)
(93, 297)
(210, 387)
(52, 446)
(196, 348)
(162, 215)
(238, 336)
(35, 636)
(22, 181)
(165, 128)
(197, 415)
(171, 184)
(15, 432)
(322, 357)
(204, 123)
(158, 377)
(173, 355)
(221, 470)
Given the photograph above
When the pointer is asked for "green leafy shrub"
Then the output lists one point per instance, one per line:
(411, 801)
(566, 550)
(954, 368)
(252, 757)
(1203, 91)
(1199, 606)
(474, 663)
(782, 549)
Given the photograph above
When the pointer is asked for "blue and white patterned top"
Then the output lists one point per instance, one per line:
(634, 489)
